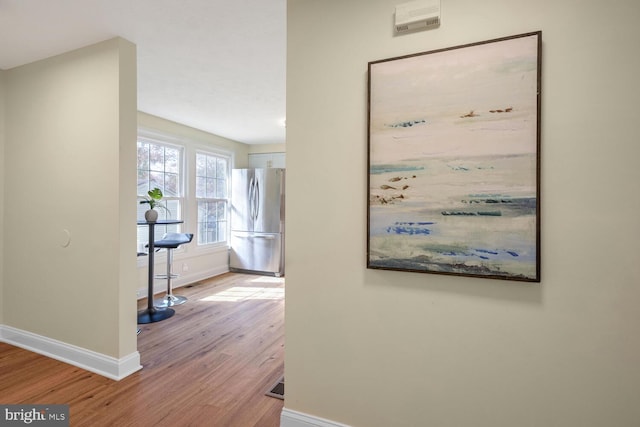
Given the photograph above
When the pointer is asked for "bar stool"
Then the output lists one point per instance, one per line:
(171, 241)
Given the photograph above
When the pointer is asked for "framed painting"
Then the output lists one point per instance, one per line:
(454, 160)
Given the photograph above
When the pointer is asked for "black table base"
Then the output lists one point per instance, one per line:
(154, 315)
(151, 313)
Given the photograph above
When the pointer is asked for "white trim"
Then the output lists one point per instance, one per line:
(209, 149)
(107, 366)
(290, 418)
(160, 137)
(187, 279)
(160, 286)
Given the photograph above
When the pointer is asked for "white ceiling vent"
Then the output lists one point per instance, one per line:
(418, 14)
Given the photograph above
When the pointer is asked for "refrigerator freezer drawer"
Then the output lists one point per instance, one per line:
(257, 252)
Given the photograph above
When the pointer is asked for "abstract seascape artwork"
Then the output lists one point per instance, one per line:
(454, 142)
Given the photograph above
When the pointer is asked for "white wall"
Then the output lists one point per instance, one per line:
(380, 348)
(192, 262)
(70, 162)
(267, 148)
(2, 167)
(127, 174)
(195, 136)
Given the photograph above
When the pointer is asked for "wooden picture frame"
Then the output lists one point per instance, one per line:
(454, 160)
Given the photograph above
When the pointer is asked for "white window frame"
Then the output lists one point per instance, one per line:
(228, 157)
(181, 198)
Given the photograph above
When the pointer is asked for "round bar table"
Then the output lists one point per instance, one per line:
(151, 313)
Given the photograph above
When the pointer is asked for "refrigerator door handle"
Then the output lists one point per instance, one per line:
(251, 198)
(257, 200)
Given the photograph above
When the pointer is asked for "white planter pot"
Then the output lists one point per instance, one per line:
(151, 215)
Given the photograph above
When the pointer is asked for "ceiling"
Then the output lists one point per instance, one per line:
(212, 65)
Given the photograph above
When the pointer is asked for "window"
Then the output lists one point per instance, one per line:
(212, 187)
(160, 165)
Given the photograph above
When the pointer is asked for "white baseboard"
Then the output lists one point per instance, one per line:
(187, 279)
(160, 286)
(290, 418)
(107, 366)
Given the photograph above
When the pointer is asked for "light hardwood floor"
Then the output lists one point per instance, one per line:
(208, 365)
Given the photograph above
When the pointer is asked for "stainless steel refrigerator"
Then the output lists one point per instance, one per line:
(257, 221)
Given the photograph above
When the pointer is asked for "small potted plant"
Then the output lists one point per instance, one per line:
(153, 198)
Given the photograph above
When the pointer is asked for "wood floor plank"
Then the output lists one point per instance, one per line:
(208, 365)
